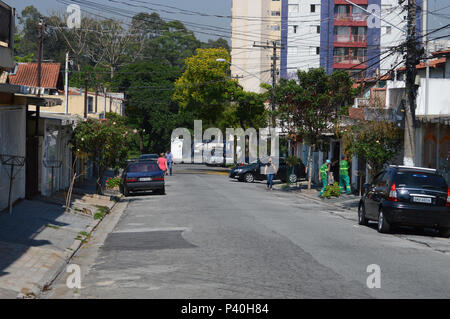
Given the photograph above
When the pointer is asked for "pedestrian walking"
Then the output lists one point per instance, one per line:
(162, 163)
(269, 171)
(344, 179)
(323, 175)
(169, 158)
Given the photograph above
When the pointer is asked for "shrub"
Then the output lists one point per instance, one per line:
(332, 191)
(113, 182)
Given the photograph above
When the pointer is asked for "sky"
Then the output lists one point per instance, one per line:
(218, 7)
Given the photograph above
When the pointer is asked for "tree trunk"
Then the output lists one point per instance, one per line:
(99, 188)
(141, 142)
(311, 149)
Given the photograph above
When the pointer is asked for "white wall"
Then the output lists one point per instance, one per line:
(301, 53)
(12, 142)
(55, 147)
(391, 12)
(439, 97)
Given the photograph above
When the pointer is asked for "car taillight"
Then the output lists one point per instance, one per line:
(131, 180)
(393, 194)
(448, 198)
(158, 178)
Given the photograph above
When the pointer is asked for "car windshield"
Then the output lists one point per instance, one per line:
(418, 179)
(143, 167)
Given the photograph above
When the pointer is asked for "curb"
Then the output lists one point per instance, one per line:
(57, 269)
(323, 202)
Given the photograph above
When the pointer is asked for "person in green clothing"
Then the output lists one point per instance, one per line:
(323, 175)
(344, 180)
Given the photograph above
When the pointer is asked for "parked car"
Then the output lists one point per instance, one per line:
(401, 195)
(142, 176)
(149, 157)
(255, 171)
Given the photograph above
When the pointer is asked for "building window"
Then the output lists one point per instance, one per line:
(318, 29)
(90, 104)
(275, 27)
(313, 8)
(275, 13)
(294, 28)
(317, 50)
(388, 30)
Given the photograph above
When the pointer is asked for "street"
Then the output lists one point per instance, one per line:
(212, 237)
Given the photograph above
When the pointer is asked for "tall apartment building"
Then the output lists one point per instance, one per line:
(333, 34)
(301, 36)
(254, 22)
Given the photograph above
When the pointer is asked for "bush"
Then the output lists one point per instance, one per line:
(113, 182)
(332, 191)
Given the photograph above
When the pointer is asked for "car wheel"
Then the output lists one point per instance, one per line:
(249, 178)
(444, 232)
(362, 220)
(383, 225)
(292, 178)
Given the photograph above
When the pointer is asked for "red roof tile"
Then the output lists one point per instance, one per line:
(27, 74)
(423, 65)
(441, 52)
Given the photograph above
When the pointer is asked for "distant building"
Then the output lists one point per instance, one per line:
(259, 22)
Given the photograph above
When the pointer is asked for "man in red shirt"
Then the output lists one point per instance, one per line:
(162, 163)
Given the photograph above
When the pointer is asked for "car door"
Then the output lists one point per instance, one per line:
(381, 189)
(370, 197)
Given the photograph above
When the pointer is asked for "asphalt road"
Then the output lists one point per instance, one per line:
(211, 237)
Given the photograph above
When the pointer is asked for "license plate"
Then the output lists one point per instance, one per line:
(425, 200)
(145, 179)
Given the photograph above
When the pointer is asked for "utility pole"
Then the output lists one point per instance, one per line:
(66, 86)
(85, 94)
(274, 73)
(39, 73)
(411, 62)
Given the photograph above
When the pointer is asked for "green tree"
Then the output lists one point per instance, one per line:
(205, 88)
(104, 142)
(375, 141)
(309, 106)
(150, 110)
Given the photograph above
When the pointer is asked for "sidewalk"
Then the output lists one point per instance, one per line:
(345, 202)
(38, 239)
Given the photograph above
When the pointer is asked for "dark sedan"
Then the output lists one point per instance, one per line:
(411, 196)
(255, 171)
(142, 176)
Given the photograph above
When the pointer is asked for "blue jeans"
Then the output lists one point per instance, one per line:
(270, 180)
(170, 167)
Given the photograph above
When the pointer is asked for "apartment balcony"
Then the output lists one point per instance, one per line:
(360, 2)
(350, 40)
(349, 62)
(353, 20)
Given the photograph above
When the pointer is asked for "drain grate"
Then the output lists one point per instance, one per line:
(151, 240)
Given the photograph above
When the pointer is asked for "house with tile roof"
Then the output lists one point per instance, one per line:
(52, 85)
